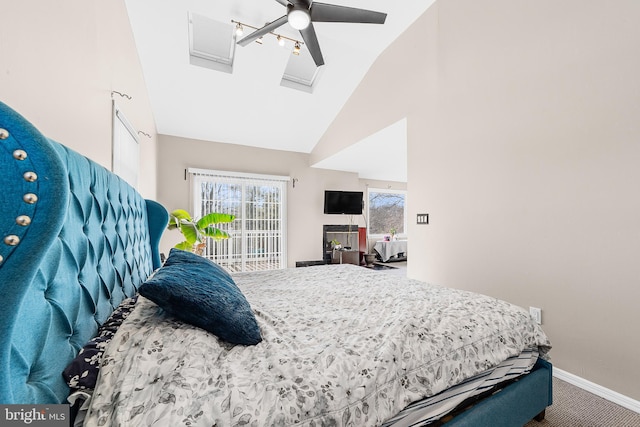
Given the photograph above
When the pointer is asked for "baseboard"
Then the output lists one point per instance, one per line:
(598, 390)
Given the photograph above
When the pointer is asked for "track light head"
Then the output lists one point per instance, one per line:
(239, 29)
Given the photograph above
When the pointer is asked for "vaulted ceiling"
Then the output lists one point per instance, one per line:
(249, 106)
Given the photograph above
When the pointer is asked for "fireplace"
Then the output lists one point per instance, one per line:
(347, 235)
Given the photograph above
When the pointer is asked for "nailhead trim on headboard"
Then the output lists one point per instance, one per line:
(19, 154)
(23, 167)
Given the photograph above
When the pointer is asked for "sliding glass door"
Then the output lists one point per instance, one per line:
(257, 236)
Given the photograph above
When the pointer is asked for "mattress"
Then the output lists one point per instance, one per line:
(342, 345)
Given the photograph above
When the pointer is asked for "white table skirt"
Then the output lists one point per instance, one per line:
(387, 250)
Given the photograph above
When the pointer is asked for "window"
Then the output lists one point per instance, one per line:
(211, 43)
(387, 211)
(257, 238)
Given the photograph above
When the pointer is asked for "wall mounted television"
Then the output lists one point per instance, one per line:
(343, 202)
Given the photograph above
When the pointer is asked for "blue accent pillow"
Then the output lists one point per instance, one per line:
(200, 292)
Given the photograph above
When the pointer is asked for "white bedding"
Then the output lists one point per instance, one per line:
(342, 345)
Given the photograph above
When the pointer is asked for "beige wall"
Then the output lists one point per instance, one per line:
(59, 62)
(305, 202)
(524, 150)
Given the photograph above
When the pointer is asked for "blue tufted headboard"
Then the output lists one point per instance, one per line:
(75, 241)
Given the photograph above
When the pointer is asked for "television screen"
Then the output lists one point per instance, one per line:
(343, 202)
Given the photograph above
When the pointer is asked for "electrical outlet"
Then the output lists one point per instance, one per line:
(536, 313)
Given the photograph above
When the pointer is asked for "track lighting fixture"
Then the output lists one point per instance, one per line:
(281, 39)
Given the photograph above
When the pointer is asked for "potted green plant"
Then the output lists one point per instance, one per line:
(335, 245)
(196, 232)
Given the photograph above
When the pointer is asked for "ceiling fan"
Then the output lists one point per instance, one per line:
(301, 14)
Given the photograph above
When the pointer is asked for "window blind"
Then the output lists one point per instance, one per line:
(257, 236)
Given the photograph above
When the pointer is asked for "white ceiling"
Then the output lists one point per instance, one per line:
(375, 160)
(249, 106)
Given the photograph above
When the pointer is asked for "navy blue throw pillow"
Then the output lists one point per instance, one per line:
(200, 292)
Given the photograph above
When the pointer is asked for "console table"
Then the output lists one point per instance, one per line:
(390, 249)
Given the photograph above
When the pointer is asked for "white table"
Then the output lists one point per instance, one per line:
(389, 249)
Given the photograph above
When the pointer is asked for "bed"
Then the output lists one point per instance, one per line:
(193, 345)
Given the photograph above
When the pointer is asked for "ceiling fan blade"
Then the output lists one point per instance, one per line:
(311, 41)
(262, 31)
(283, 2)
(323, 12)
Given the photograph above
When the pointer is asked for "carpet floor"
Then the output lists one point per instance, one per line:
(575, 407)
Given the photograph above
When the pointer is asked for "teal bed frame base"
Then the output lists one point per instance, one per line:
(514, 405)
(76, 240)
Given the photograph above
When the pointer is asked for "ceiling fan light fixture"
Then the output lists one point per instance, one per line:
(299, 18)
(280, 41)
(239, 29)
(296, 49)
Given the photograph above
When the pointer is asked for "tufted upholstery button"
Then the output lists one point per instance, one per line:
(30, 176)
(4, 134)
(19, 154)
(12, 240)
(30, 198)
(23, 220)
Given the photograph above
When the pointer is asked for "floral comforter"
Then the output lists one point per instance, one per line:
(342, 346)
